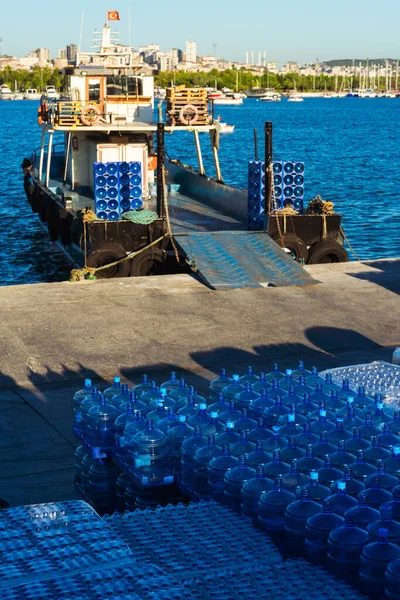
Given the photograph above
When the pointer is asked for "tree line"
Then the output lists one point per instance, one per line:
(38, 78)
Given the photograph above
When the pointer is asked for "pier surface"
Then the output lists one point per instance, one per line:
(54, 335)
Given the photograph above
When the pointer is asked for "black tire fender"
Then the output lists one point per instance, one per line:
(327, 251)
(297, 247)
(106, 254)
(143, 263)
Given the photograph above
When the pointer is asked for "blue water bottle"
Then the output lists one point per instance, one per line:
(387, 439)
(316, 491)
(272, 507)
(322, 424)
(306, 437)
(249, 376)
(318, 528)
(341, 501)
(376, 496)
(374, 559)
(260, 432)
(217, 470)
(134, 402)
(291, 428)
(387, 481)
(168, 422)
(180, 394)
(392, 464)
(296, 515)
(121, 422)
(189, 409)
(251, 493)
(353, 486)
(260, 405)
(85, 392)
(112, 391)
(101, 427)
(314, 378)
(276, 467)
(388, 523)
(201, 418)
(309, 462)
(232, 389)
(220, 405)
(171, 384)
(302, 388)
(275, 374)
(188, 450)
(345, 544)
(356, 442)
(258, 457)
(362, 513)
(294, 480)
(339, 433)
(142, 387)
(245, 423)
(306, 406)
(229, 436)
(376, 452)
(202, 459)
(232, 414)
(361, 469)
(246, 398)
(218, 384)
(328, 474)
(175, 437)
(323, 447)
(341, 458)
(233, 481)
(122, 397)
(292, 451)
(82, 416)
(261, 384)
(158, 414)
(301, 371)
(243, 446)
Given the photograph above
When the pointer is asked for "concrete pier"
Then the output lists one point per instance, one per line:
(53, 335)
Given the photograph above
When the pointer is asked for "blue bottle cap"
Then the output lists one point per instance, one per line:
(314, 475)
(88, 383)
(396, 449)
(379, 405)
(202, 406)
(291, 418)
(160, 403)
(182, 418)
(117, 379)
(322, 413)
(288, 372)
(230, 425)
(350, 399)
(163, 392)
(276, 429)
(235, 377)
(341, 485)
(214, 415)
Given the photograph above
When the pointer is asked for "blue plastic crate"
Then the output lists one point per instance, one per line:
(118, 188)
(256, 195)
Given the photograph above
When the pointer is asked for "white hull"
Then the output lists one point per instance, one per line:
(228, 101)
(295, 99)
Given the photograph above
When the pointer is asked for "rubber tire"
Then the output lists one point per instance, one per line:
(106, 254)
(327, 251)
(293, 243)
(144, 263)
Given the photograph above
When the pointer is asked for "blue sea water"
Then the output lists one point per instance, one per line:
(350, 147)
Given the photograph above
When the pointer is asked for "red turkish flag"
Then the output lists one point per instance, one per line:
(113, 15)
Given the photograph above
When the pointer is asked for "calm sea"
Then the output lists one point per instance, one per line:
(350, 147)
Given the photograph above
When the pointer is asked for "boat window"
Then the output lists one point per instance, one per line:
(121, 85)
(94, 89)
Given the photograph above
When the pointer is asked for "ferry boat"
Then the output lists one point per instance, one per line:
(32, 94)
(271, 96)
(229, 99)
(6, 93)
(109, 198)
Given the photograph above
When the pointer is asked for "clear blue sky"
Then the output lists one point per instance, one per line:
(287, 29)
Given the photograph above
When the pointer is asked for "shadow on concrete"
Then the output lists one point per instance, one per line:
(387, 277)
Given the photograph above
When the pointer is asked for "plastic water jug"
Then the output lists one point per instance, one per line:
(130, 497)
(314, 378)
(198, 399)
(121, 398)
(233, 388)
(180, 394)
(380, 417)
(291, 398)
(272, 414)
(276, 441)
(353, 486)
(151, 456)
(302, 388)
(258, 457)
(393, 463)
(202, 459)
(309, 462)
(168, 422)
(345, 393)
(272, 507)
(356, 443)
(276, 468)
(188, 450)
(85, 392)
(323, 447)
(120, 423)
(217, 470)
(296, 515)
(395, 424)
(319, 395)
(229, 436)
(394, 504)
(298, 418)
(292, 451)
(171, 384)
(339, 433)
(340, 501)
(82, 416)
(243, 446)
(233, 481)
(151, 394)
(376, 452)
(274, 391)
(87, 462)
(189, 409)
(249, 377)
(291, 428)
(357, 411)
(260, 432)
(112, 391)
(261, 384)
(262, 403)
(142, 387)
(175, 437)
(376, 496)
(135, 403)
(124, 480)
(345, 544)
(306, 437)
(362, 513)
(322, 424)
(361, 400)
(350, 421)
(328, 474)
(316, 491)
(392, 580)
(342, 458)
(213, 426)
(318, 528)
(218, 384)
(294, 480)
(375, 557)
(368, 430)
(301, 371)
(232, 414)
(387, 439)
(328, 384)
(387, 481)
(306, 406)
(314, 415)
(201, 418)
(220, 405)
(251, 493)
(287, 381)
(80, 453)
(158, 414)
(245, 423)
(246, 398)
(102, 484)
(386, 521)
(274, 374)
(101, 427)
(361, 469)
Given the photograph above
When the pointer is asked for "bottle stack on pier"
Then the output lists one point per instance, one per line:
(311, 462)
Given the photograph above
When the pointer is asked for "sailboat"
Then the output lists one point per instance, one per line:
(295, 96)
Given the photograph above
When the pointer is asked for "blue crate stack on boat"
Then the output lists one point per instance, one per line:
(117, 188)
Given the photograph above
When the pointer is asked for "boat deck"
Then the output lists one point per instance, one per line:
(54, 335)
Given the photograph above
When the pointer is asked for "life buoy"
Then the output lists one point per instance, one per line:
(152, 163)
(327, 251)
(293, 245)
(107, 254)
(189, 114)
(39, 116)
(90, 115)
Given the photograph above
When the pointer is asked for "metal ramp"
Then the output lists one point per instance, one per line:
(239, 259)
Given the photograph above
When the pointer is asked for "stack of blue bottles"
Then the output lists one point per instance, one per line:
(375, 557)
(272, 507)
(251, 493)
(340, 502)
(188, 450)
(345, 544)
(121, 422)
(169, 421)
(386, 521)
(133, 400)
(121, 397)
(217, 385)
(217, 470)
(82, 416)
(158, 413)
(101, 427)
(318, 528)
(179, 394)
(102, 485)
(79, 396)
(233, 481)
(202, 459)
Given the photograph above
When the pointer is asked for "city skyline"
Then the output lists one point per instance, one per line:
(316, 31)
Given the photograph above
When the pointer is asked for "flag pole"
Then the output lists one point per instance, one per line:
(129, 27)
(81, 31)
